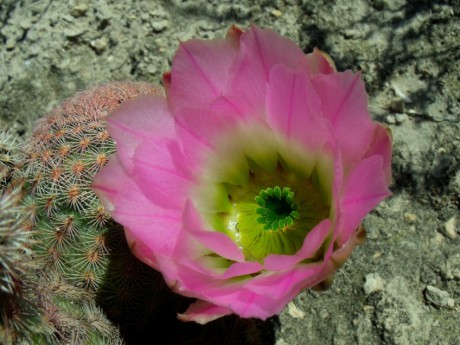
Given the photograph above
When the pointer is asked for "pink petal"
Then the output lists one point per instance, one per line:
(247, 304)
(381, 145)
(240, 269)
(156, 227)
(236, 269)
(344, 104)
(164, 182)
(194, 146)
(339, 256)
(105, 183)
(144, 118)
(312, 243)
(199, 76)
(217, 242)
(233, 295)
(294, 108)
(203, 312)
(364, 188)
(242, 301)
(260, 51)
(283, 286)
(199, 130)
(320, 62)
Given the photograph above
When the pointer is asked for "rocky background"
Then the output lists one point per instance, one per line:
(403, 285)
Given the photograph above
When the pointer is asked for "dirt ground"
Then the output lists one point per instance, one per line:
(402, 287)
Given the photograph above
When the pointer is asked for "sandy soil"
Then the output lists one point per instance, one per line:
(403, 285)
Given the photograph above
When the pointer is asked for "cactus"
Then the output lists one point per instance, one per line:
(67, 148)
(10, 157)
(13, 243)
(75, 236)
(37, 307)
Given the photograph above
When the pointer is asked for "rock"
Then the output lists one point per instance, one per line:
(75, 32)
(295, 312)
(374, 283)
(401, 117)
(410, 217)
(391, 119)
(160, 25)
(452, 270)
(398, 312)
(276, 13)
(451, 228)
(99, 44)
(438, 297)
(79, 10)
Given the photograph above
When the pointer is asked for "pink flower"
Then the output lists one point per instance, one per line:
(248, 182)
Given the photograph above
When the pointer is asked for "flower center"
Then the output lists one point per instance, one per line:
(265, 193)
(277, 208)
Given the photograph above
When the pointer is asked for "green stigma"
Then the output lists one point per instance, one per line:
(277, 208)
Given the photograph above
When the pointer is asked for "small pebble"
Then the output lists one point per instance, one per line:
(438, 297)
(276, 13)
(99, 44)
(377, 255)
(160, 25)
(79, 10)
(438, 239)
(391, 119)
(324, 314)
(10, 44)
(401, 117)
(74, 32)
(368, 308)
(281, 342)
(294, 311)
(410, 217)
(451, 228)
(374, 283)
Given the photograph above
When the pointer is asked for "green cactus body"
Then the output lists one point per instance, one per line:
(68, 147)
(37, 307)
(50, 311)
(10, 158)
(75, 236)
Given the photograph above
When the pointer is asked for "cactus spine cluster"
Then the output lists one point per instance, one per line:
(36, 306)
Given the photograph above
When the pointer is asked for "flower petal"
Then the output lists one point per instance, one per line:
(283, 286)
(216, 241)
(320, 62)
(364, 188)
(219, 268)
(344, 104)
(199, 76)
(260, 51)
(381, 145)
(311, 245)
(294, 108)
(164, 182)
(203, 312)
(154, 228)
(144, 118)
